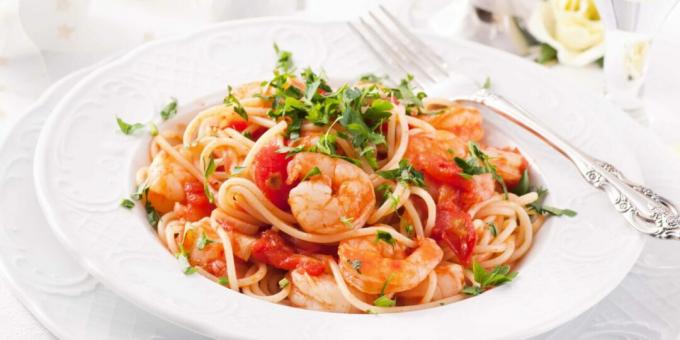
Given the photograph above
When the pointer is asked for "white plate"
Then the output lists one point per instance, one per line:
(50, 283)
(84, 166)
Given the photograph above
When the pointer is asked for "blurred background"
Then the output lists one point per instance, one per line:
(43, 40)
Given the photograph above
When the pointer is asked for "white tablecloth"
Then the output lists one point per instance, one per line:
(43, 40)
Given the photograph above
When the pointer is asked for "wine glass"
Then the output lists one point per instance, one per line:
(630, 28)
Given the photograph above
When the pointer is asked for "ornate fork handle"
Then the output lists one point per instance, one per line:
(641, 207)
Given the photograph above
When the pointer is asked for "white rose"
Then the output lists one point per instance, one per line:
(572, 27)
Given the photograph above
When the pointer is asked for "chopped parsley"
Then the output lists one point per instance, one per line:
(539, 208)
(231, 100)
(152, 215)
(523, 186)
(487, 279)
(290, 151)
(127, 203)
(283, 283)
(406, 94)
(183, 259)
(347, 221)
(384, 236)
(409, 230)
(405, 173)
(223, 280)
(356, 265)
(383, 300)
(487, 83)
(207, 172)
(372, 78)
(169, 110)
(479, 163)
(492, 228)
(153, 129)
(315, 171)
(128, 128)
(203, 241)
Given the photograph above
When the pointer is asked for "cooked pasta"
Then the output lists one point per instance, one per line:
(363, 198)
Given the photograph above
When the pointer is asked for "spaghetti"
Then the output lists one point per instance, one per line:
(363, 198)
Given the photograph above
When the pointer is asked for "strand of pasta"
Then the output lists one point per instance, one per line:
(415, 219)
(179, 158)
(229, 259)
(420, 124)
(431, 208)
(431, 287)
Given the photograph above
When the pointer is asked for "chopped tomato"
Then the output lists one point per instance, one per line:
(509, 163)
(238, 124)
(270, 173)
(196, 204)
(453, 228)
(272, 249)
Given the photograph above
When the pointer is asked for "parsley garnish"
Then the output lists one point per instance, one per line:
(496, 277)
(285, 61)
(237, 170)
(127, 128)
(231, 100)
(169, 110)
(404, 173)
(479, 163)
(153, 129)
(382, 300)
(356, 265)
(183, 259)
(223, 281)
(152, 215)
(492, 228)
(405, 93)
(372, 78)
(283, 283)
(523, 185)
(546, 210)
(347, 221)
(203, 241)
(207, 172)
(385, 237)
(487, 83)
(290, 151)
(546, 54)
(409, 230)
(315, 171)
(127, 203)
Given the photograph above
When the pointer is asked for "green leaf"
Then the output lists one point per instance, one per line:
(127, 203)
(152, 215)
(499, 275)
(285, 59)
(291, 151)
(558, 212)
(472, 290)
(487, 83)
(127, 128)
(546, 54)
(207, 172)
(384, 301)
(379, 110)
(409, 230)
(347, 221)
(356, 265)
(223, 281)
(546, 210)
(169, 110)
(371, 78)
(386, 237)
(492, 229)
(231, 100)
(153, 129)
(183, 259)
(315, 171)
(404, 173)
(203, 241)
(523, 185)
(481, 160)
(283, 283)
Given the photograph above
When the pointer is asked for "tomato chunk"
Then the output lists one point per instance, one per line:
(270, 173)
(272, 249)
(453, 228)
(237, 124)
(196, 204)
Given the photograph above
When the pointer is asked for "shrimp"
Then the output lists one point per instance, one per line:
(509, 163)
(374, 266)
(465, 122)
(317, 293)
(166, 180)
(433, 153)
(205, 250)
(339, 198)
(450, 281)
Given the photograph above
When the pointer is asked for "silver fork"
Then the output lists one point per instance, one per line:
(645, 210)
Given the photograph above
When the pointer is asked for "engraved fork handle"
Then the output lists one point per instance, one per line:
(646, 211)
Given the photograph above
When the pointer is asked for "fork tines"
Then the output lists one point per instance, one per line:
(396, 46)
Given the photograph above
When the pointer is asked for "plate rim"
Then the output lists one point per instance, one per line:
(93, 269)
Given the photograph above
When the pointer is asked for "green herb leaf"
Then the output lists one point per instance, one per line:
(315, 171)
(386, 237)
(404, 173)
(479, 163)
(384, 301)
(487, 279)
(203, 241)
(183, 259)
(127, 128)
(283, 283)
(372, 78)
(472, 290)
(407, 96)
(558, 212)
(285, 59)
(152, 215)
(546, 54)
(347, 221)
(487, 83)
(207, 172)
(546, 210)
(356, 265)
(153, 129)
(492, 229)
(169, 110)
(237, 170)
(223, 280)
(231, 100)
(290, 151)
(409, 230)
(127, 203)
(523, 185)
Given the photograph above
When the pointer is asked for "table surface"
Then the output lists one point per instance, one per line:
(29, 65)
